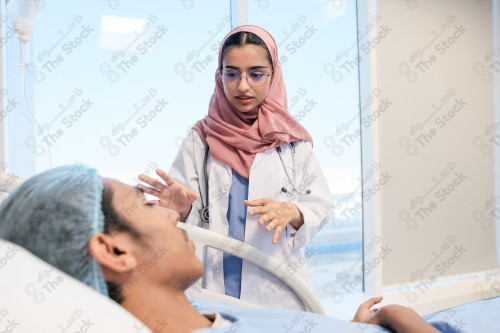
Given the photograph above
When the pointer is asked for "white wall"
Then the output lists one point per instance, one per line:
(2, 138)
(431, 217)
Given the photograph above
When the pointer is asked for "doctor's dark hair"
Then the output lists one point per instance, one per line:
(243, 38)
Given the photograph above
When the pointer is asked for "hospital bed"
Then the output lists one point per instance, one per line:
(205, 239)
(35, 296)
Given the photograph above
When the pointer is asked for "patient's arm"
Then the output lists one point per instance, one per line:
(401, 319)
(395, 317)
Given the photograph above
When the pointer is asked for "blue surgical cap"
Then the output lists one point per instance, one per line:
(53, 215)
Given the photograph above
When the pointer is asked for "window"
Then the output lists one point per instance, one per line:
(113, 85)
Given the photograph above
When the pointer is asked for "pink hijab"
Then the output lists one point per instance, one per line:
(235, 137)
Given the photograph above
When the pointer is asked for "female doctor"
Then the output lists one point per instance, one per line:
(249, 152)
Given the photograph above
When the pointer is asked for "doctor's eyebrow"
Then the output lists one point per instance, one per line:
(251, 67)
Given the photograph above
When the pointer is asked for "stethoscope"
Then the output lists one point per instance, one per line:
(294, 189)
(203, 211)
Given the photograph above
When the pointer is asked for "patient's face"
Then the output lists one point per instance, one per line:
(165, 253)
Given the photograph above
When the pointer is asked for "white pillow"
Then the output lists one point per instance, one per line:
(36, 297)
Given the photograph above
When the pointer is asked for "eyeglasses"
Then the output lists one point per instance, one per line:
(255, 78)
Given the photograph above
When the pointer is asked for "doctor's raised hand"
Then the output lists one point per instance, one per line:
(170, 194)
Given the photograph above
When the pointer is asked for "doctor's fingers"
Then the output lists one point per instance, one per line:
(165, 176)
(259, 210)
(277, 232)
(256, 203)
(271, 212)
(273, 223)
(155, 183)
(268, 216)
(149, 190)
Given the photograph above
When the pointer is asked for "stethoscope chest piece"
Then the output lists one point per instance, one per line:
(204, 214)
(203, 211)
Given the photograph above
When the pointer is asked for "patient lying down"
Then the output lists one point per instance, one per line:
(107, 235)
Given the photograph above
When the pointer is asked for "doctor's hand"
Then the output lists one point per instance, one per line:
(171, 194)
(365, 312)
(277, 213)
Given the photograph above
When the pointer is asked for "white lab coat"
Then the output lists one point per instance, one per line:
(266, 179)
